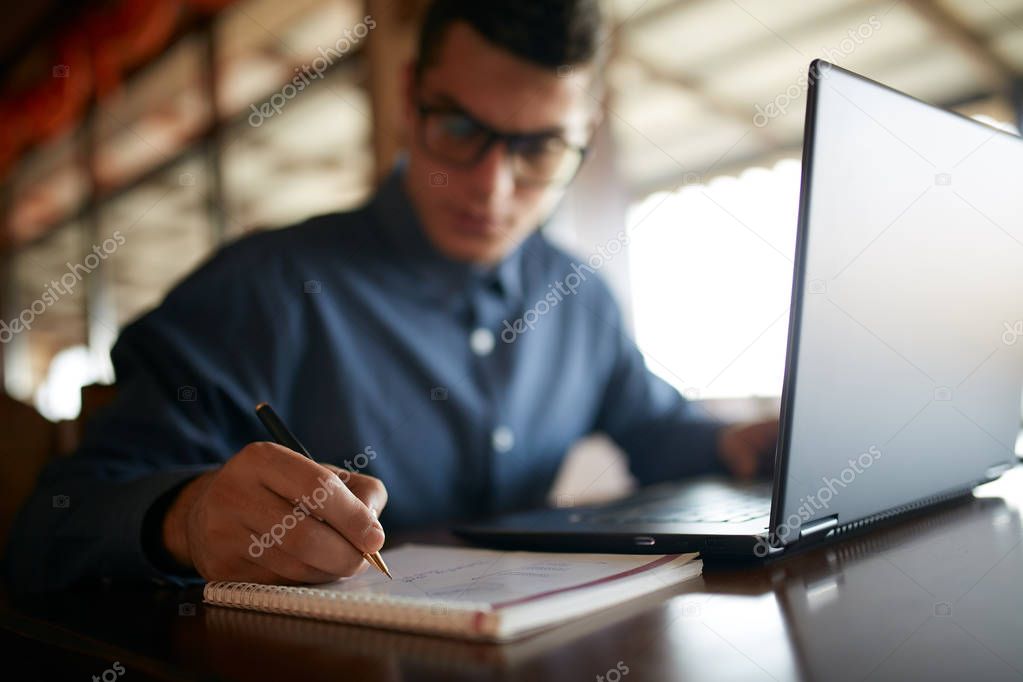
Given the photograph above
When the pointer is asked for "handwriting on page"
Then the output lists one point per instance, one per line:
(424, 575)
(488, 576)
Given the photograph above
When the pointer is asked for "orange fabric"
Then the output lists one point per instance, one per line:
(89, 59)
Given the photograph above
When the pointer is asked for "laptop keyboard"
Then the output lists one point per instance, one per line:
(721, 504)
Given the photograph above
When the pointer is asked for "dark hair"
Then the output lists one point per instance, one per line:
(550, 33)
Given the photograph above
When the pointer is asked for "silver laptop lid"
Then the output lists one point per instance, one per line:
(905, 364)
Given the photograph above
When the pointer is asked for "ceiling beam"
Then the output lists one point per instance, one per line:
(674, 181)
(791, 148)
(850, 15)
(696, 87)
(1017, 103)
(997, 72)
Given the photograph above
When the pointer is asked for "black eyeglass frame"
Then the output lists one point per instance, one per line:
(512, 142)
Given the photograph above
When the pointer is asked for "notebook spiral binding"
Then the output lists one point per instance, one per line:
(406, 613)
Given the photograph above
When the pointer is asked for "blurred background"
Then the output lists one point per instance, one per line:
(140, 135)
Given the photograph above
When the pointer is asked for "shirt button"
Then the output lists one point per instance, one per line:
(503, 439)
(481, 341)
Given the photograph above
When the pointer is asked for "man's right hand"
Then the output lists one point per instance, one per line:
(250, 519)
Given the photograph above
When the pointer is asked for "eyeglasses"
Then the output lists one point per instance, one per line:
(456, 138)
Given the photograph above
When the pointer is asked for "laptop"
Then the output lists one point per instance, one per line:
(904, 368)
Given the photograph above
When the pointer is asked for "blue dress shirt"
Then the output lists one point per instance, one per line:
(460, 387)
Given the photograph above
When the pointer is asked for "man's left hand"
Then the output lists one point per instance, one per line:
(747, 449)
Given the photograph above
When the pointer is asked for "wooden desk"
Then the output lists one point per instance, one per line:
(938, 597)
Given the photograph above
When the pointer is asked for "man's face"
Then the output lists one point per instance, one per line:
(480, 212)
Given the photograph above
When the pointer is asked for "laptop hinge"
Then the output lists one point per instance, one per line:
(998, 469)
(818, 526)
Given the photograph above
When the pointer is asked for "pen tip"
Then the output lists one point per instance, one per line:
(378, 561)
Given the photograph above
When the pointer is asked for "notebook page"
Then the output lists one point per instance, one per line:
(456, 575)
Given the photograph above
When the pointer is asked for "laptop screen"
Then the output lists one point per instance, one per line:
(902, 382)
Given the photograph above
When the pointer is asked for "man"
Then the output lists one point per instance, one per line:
(376, 335)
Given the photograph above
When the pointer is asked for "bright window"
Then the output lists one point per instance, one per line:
(711, 271)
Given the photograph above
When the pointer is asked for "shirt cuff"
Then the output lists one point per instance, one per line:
(135, 552)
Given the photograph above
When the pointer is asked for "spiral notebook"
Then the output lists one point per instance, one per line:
(469, 593)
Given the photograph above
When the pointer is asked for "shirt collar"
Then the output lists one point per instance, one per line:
(438, 273)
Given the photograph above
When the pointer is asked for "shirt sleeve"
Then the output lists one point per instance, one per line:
(183, 407)
(663, 435)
